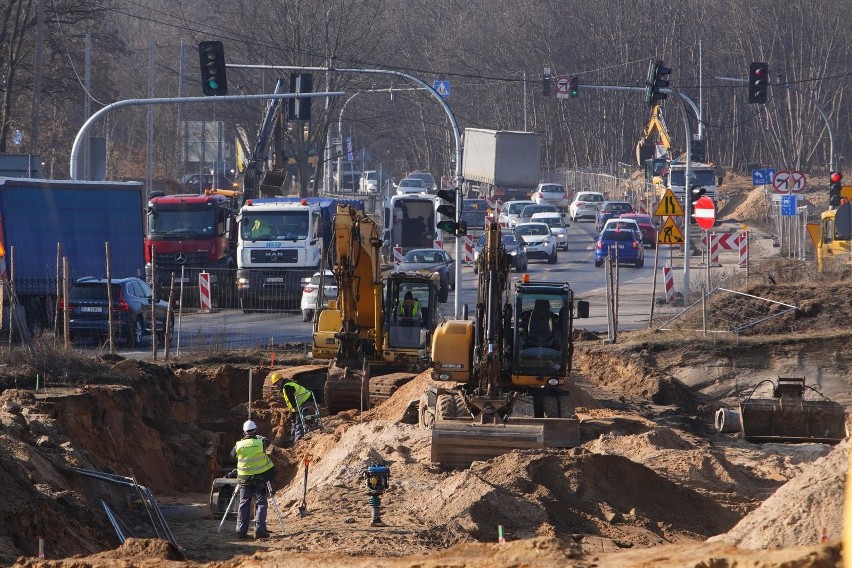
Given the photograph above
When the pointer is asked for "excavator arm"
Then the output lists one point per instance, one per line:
(645, 146)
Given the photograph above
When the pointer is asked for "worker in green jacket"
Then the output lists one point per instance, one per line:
(254, 471)
(301, 403)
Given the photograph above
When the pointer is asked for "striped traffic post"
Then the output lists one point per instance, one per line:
(204, 291)
(468, 249)
(714, 249)
(438, 244)
(397, 255)
(668, 281)
(743, 249)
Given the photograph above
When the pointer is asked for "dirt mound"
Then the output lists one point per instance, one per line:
(394, 408)
(801, 511)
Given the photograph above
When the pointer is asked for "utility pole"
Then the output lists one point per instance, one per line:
(34, 125)
(149, 154)
(525, 102)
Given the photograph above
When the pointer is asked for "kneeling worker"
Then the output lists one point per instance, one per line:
(254, 470)
(299, 401)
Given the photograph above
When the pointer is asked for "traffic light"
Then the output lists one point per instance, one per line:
(575, 86)
(657, 72)
(452, 225)
(214, 82)
(695, 193)
(546, 82)
(300, 108)
(835, 189)
(758, 83)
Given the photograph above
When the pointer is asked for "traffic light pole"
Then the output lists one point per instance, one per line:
(84, 130)
(428, 88)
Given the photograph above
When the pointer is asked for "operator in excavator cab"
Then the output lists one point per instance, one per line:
(409, 311)
(302, 405)
(541, 326)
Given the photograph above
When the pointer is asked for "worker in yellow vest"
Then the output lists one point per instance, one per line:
(301, 404)
(254, 471)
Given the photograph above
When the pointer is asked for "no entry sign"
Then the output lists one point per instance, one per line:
(705, 213)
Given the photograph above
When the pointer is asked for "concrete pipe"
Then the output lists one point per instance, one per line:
(728, 421)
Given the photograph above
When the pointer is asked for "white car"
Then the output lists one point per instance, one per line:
(310, 291)
(551, 194)
(622, 225)
(512, 210)
(557, 227)
(586, 204)
(408, 186)
(540, 242)
(369, 182)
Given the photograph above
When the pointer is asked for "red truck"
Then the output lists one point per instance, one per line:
(190, 234)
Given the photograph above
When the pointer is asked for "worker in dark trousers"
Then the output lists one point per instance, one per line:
(300, 402)
(254, 470)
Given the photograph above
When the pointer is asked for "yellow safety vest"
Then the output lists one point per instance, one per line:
(251, 459)
(415, 309)
(302, 395)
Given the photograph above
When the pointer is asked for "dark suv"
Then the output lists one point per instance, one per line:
(131, 309)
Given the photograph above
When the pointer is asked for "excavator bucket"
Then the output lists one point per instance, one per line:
(458, 443)
(345, 389)
(789, 417)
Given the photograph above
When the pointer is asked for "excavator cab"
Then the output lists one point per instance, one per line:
(409, 327)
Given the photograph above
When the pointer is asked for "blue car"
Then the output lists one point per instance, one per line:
(623, 243)
(610, 210)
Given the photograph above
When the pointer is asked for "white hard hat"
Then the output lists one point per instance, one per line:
(248, 426)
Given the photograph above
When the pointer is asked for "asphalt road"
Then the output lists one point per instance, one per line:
(196, 332)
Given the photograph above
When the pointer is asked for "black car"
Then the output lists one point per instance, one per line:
(514, 245)
(131, 309)
(432, 260)
(474, 212)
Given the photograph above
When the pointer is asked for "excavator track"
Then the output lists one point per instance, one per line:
(346, 389)
(383, 386)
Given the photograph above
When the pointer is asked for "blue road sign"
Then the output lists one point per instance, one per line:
(349, 148)
(443, 88)
(762, 177)
(788, 205)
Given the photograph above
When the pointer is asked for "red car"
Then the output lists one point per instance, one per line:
(646, 225)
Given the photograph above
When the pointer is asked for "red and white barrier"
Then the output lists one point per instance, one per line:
(438, 244)
(468, 248)
(726, 241)
(742, 242)
(397, 255)
(668, 282)
(714, 247)
(204, 291)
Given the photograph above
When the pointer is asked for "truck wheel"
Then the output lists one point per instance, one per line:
(307, 315)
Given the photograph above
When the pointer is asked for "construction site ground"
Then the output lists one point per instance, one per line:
(652, 484)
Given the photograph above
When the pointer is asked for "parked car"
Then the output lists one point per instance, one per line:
(310, 291)
(474, 212)
(433, 260)
(530, 210)
(540, 242)
(512, 209)
(198, 183)
(557, 227)
(585, 204)
(513, 245)
(88, 310)
(623, 244)
(410, 185)
(369, 182)
(610, 209)
(646, 225)
(428, 181)
(552, 194)
(622, 224)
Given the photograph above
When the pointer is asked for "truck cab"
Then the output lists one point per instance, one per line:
(703, 175)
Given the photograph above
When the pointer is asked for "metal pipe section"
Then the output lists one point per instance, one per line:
(84, 130)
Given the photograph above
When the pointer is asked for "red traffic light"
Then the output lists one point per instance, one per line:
(836, 177)
(760, 72)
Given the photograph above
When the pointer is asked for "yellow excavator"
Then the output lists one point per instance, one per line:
(371, 348)
(500, 380)
(832, 236)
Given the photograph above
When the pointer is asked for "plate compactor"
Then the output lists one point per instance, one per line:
(787, 416)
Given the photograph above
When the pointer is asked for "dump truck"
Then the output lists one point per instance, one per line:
(36, 215)
(501, 379)
(500, 164)
(787, 416)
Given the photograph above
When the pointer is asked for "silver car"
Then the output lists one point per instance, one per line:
(310, 291)
(557, 227)
(586, 204)
(511, 210)
(551, 194)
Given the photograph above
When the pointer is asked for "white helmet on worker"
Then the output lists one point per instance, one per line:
(249, 426)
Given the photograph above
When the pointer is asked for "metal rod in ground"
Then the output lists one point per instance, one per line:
(111, 331)
(249, 396)
(228, 508)
(180, 306)
(275, 506)
(654, 285)
(167, 327)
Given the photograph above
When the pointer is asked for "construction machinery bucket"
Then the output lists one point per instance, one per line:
(345, 389)
(792, 420)
(458, 443)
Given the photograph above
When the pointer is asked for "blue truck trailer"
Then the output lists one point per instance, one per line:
(81, 216)
(281, 241)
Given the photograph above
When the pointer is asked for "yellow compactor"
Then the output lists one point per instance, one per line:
(501, 378)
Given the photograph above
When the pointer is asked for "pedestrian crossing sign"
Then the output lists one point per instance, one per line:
(442, 88)
(670, 234)
(669, 206)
